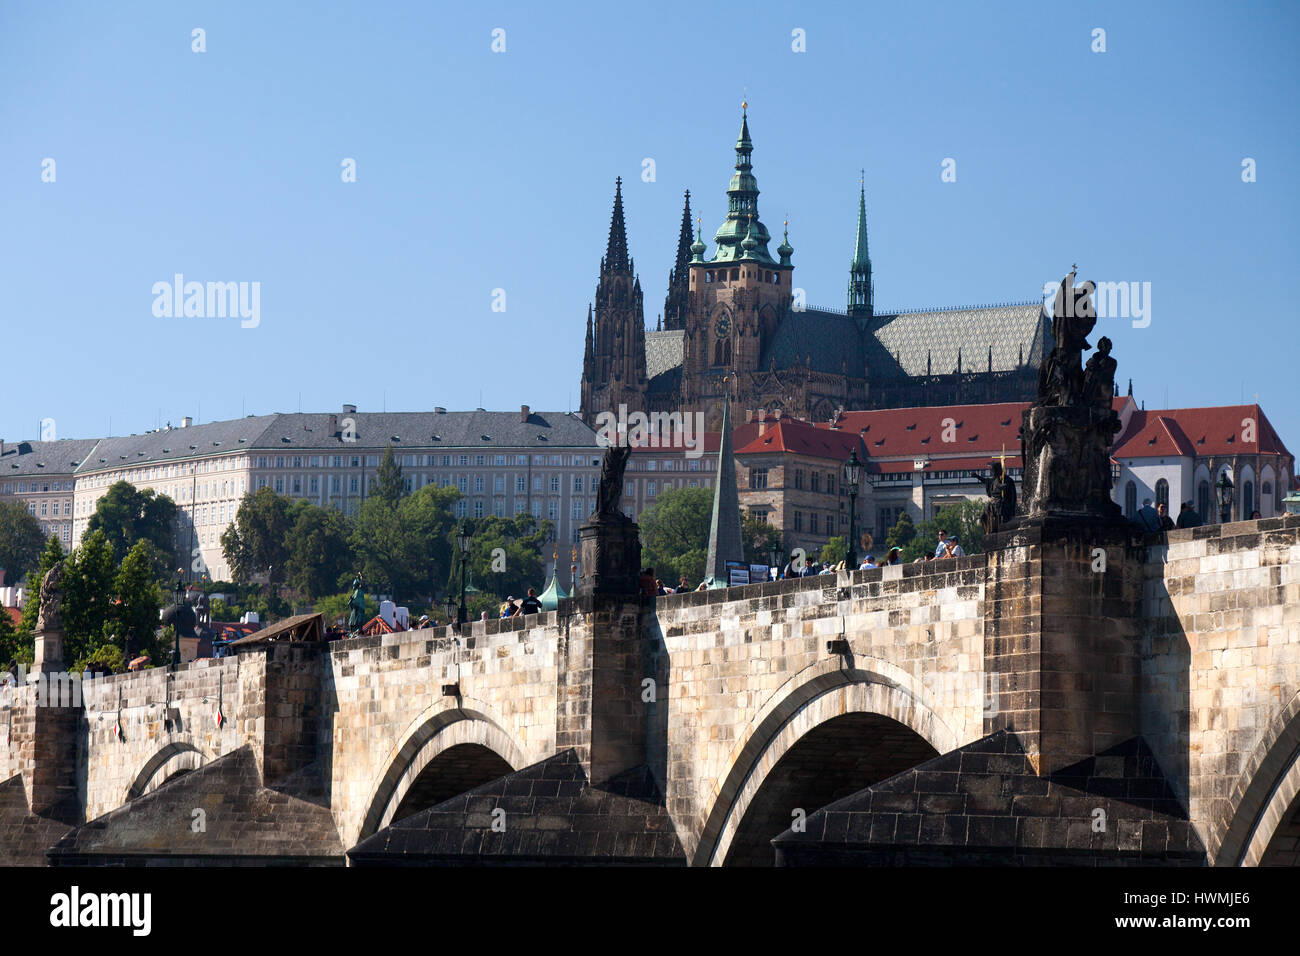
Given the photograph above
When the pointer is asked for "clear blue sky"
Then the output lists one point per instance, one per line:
(478, 170)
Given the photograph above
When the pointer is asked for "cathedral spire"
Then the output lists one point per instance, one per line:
(742, 205)
(862, 295)
(679, 279)
(616, 257)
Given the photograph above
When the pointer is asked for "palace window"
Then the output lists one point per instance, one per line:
(757, 478)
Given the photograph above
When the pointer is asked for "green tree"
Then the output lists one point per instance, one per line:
(901, 535)
(105, 659)
(405, 550)
(506, 555)
(125, 515)
(760, 540)
(319, 550)
(389, 485)
(257, 540)
(675, 534)
(89, 574)
(11, 643)
(835, 550)
(21, 539)
(51, 556)
(137, 600)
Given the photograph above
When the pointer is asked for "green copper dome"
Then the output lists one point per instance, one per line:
(785, 250)
(742, 209)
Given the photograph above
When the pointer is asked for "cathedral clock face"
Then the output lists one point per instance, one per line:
(722, 327)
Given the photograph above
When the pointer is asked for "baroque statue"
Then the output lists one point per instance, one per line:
(1001, 491)
(356, 604)
(50, 615)
(1067, 432)
(610, 491)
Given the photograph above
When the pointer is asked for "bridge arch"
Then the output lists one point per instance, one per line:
(464, 743)
(176, 757)
(825, 705)
(1266, 799)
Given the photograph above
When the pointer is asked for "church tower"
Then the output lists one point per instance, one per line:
(613, 365)
(679, 283)
(862, 295)
(738, 297)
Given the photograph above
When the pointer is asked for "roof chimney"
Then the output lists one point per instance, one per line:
(349, 409)
(439, 410)
(523, 413)
(187, 421)
(762, 420)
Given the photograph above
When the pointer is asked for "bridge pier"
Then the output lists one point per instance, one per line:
(1062, 639)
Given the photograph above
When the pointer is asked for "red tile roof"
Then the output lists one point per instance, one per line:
(980, 430)
(802, 438)
(15, 615)
(1190, 432)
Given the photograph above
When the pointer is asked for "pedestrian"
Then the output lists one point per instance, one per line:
(531, 604)
(953, 549)
(682, 585)
(894, 556)
(1166, 522)
(647, 582)
(868, 563)
(1254, 515)
(941, 548)
(1188, 517)
(1147, 519)
(507, 606)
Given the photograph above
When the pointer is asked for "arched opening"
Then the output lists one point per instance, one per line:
(833, 760)
(1162, 493)
(454, 771)
(444, 752)
(1247, 499)
(173, 760)
(1203, 501)
(1284, 848)
(1130, 500)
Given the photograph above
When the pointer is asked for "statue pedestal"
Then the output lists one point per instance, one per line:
(1066, 451)
(49, 652)
(611, 558)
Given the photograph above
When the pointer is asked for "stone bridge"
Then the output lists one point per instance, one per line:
(751, 709)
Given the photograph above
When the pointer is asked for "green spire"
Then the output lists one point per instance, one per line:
(742, 205)
(862, 296)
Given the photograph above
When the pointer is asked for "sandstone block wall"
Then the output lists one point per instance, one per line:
(1220, 659)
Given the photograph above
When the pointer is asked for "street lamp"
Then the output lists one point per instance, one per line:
(449, 605)
(462, 542)
(1224, 490)
(852, 475)
(176, 624)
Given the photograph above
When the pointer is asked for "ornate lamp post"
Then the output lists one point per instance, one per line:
(853, 475)
(449, 606)
(462, 542)
(1223, 488)
(176, 627)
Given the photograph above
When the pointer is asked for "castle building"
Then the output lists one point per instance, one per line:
(738, 311)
